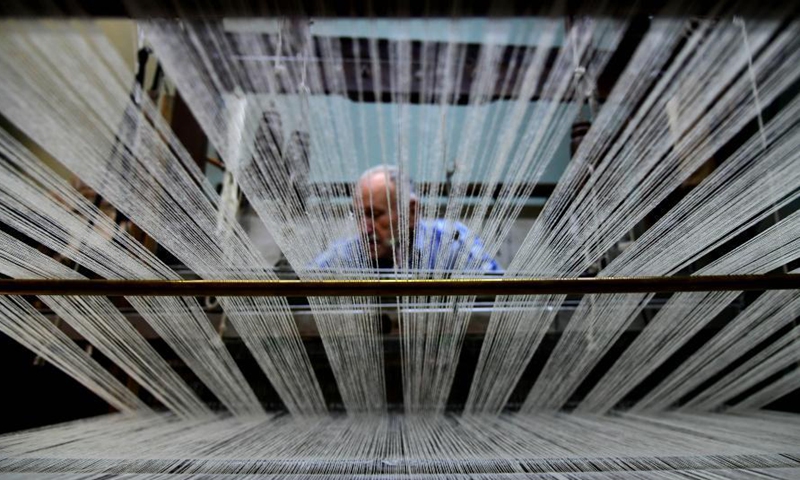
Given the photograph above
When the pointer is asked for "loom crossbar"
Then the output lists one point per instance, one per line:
(400, 287)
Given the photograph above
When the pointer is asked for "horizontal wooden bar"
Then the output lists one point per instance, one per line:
(394, 287)
(148, 9)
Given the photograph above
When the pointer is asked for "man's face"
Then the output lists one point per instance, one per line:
(379, 207)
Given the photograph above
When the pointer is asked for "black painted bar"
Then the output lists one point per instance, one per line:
(394, 287)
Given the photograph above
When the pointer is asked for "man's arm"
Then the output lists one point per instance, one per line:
(482, 261)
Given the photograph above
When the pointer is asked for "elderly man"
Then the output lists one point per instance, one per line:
(436, 244)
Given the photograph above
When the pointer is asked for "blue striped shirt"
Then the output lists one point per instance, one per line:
(438, 244)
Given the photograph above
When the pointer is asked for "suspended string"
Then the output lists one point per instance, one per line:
(652, 136)
(262, 176)
(719, 52)
(775, 358)
(436, 338)
(30, 328)
(633, 177)
(777, 389)
(757, 323)
(255, 151)
(490, 373)
(589, 45)
(349, 338)
(485, 379)
(727, 202)
(622, 171)
(105, 327)
(152, 179)
(98, 244)
(686, 313)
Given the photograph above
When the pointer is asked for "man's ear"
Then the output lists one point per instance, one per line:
(412, 211)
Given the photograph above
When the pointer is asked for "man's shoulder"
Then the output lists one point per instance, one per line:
(456, 237)
(442, 225)
(440, 231)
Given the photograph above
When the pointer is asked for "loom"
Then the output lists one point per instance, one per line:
(637, 168)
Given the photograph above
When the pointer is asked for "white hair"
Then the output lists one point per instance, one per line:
(393, 174)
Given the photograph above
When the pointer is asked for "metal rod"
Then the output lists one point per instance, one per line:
(359, 288)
